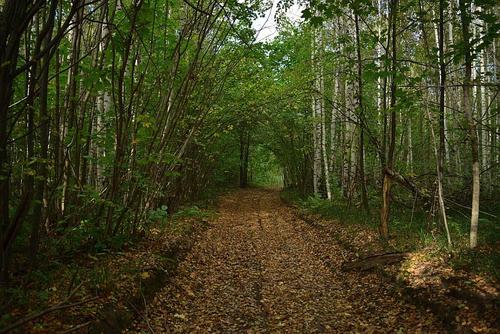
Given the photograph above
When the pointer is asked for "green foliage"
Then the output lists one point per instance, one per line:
(416, 230)
(265, 169)
(193, 212)
(158, 215)
(480, 261)
(336, 209)
(152, 118)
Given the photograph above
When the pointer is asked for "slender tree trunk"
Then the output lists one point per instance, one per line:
(57, 135)
(484, 107)
(383, 150)
(32, 80)
(13, 11)
(333, 127)
(316, 123)
(440, 153)
(71, 157)
(361, 157)
(440, 44)
(379, 63)
(465, 17)
(39, 209)
(344, 130)
(495, 120)
(244, 153)
(409, 160)
(442, 90)
(103, 104)
(386, 190)
(321, 105)
(352, 147)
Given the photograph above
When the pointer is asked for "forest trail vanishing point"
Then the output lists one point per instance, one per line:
(261, 269)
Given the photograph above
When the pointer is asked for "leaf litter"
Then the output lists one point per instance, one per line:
(259, 268)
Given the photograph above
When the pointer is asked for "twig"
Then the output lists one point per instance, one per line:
(469, 208)
(146, 315)
(198, 9)
(142, 316)
(53, 308)
(75, 328)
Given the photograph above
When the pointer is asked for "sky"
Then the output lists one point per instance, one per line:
(266, 26)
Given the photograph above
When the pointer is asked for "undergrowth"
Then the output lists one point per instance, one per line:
(413, 230)
(39, 287)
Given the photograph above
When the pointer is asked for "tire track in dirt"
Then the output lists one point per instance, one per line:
(260, 269)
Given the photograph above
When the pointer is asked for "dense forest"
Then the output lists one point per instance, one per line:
(117, 114)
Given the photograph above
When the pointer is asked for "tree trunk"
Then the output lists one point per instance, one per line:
(440, 154)
(361, 157)
(321, 90)
(465, 17)
(316, 121)
(72, 157)
(39, 209)
(244, 153)
(13, 11)
(386, 190)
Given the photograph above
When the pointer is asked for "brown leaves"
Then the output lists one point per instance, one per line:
(259, 269)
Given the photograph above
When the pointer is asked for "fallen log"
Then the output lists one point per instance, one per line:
(374, 261)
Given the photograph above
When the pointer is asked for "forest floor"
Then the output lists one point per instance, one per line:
(258, 265)
(261, 268)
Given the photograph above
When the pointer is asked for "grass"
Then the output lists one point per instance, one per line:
(413, 230)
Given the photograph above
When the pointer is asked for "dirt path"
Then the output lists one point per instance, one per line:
(260, 269)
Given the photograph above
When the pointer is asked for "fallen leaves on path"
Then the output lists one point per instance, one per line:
(261, 269)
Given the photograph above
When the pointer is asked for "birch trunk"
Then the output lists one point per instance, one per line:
(468, 111)
(321, 105)
(333, 125)
(484, 115)
(440, 153)
(316, 133)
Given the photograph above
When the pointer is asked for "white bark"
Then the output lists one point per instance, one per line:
(484, 111)
(316, 125)
(451, 100)
(480, 95)
(333, 115)
(345, 142)
(103, 107)
(333, 123)
(378, 62)
(321, 105)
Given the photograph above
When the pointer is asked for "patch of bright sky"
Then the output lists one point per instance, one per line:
(267, 28)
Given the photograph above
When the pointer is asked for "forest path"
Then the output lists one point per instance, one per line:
(261, 269)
